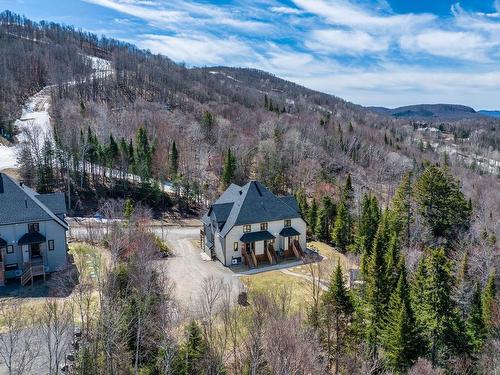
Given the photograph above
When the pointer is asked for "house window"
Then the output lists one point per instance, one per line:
(10, 249)
(247, 228)
(235, 246)
(51, 245)
(288, 223)
(33, 227)
(263, 226)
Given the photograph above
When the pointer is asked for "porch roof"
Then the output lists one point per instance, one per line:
(257, 236)
(289, 232)
(31, 238)
(3, 243)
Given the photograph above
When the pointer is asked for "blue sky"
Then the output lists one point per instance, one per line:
(371, 52)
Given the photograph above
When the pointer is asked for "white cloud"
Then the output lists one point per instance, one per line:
(198, 49)
(345, 13)
(345, 42)
(453, 44)
(285, 10)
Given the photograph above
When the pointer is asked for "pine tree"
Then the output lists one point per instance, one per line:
(312, 216)
(368, 223)
(348, 192)
(336, 315)
(380, 241)
(488, 300)
(128, 210)
(174, 160)
(266, 102)
(191, 353)
(400, 337)
(229, 168)
(476, 328)
(112, 152)
(376, 290)
(392, 259)
(325, 217)
(300, 195)
(441, 202)
(435, 311)
(402, 213)
(341, 233)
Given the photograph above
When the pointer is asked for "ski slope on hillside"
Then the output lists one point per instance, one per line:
(36, 119)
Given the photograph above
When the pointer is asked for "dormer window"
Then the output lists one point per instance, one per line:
(263, 226)
(33, 228)
(288, 223)
(247, 228)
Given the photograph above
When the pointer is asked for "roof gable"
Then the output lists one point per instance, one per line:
(254, 203)
(19, 204)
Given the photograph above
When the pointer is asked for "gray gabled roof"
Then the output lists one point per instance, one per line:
(249, 204)
(20, 204)
(54, 202)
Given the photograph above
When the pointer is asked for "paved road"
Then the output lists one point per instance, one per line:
(187, 269)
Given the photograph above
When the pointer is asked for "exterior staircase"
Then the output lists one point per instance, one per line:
(271, 254)
(297, 250)
(30, 271)
(248, 259)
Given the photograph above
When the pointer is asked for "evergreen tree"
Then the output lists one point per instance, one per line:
(325, 217)
(376, 290)
(191, 353)
(441, 202)
(348, 191)
(435, 311)
(112, 152)
(128, 210)
(400, 336)
(144, 154)
(341, 233)
(368, 223)
(207, 125)
(336, 315)
(174, 160)
(229, 168)
(301, 198)
(380, 241)
(488, 300)
(402, 213)
(392, 259)
(312, 216)
(476, 328)
(266, 102)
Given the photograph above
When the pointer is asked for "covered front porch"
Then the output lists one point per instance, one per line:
(259, 248)
(33, 245)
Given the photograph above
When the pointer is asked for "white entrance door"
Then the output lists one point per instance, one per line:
(26, 253)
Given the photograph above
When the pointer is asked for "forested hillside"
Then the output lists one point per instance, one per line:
(283, 134)
(413, 205)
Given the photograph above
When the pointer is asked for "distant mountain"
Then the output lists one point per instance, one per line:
(490, 113)
(430, 111)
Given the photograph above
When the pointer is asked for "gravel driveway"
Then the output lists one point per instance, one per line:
(187, 269)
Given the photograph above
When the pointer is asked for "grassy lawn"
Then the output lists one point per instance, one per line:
(275, 280)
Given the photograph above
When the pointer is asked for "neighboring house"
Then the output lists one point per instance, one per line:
(32, 231)
(252, 225)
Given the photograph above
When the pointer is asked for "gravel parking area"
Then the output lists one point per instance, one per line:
(187, 268)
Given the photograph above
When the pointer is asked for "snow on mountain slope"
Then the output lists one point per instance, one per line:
(36, 119)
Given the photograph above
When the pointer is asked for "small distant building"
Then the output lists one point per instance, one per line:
(249, 224)
(32, 231)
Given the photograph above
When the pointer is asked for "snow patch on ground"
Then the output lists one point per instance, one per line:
(225, 75)
(35, 117)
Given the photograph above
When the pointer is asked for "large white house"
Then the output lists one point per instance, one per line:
(252, 225)
(32, 231)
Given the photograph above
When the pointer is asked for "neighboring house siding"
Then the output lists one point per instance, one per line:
(55, 259)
